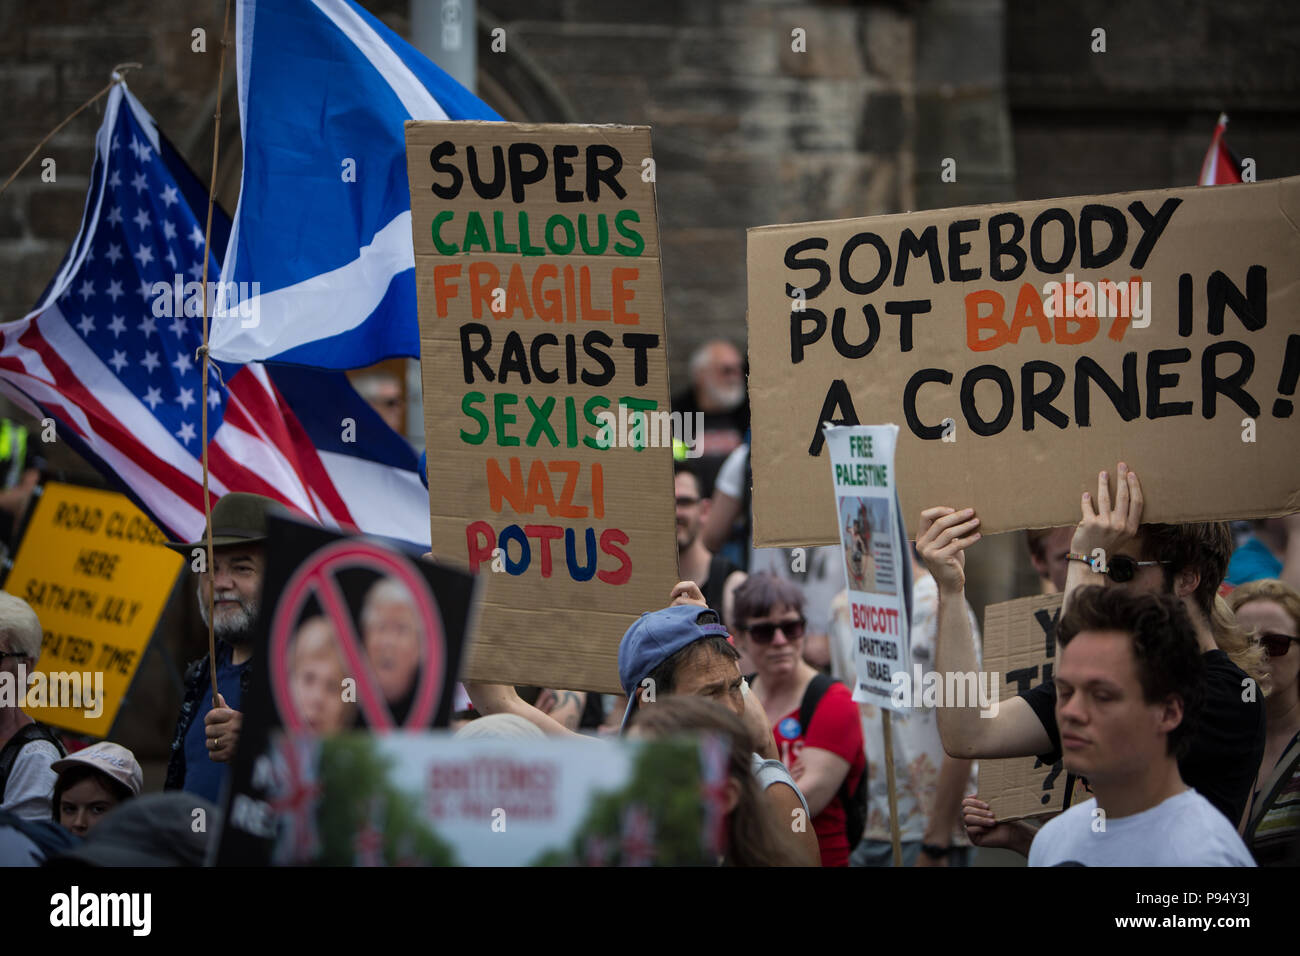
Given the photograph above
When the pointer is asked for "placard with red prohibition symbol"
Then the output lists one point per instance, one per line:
(1024, 347)
(352, 635)
(317, 579)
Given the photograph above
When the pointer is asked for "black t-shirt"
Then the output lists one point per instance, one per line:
(724, 432)
(720, 568)
(1227, 743)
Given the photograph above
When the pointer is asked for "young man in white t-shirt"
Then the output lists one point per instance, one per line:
(1129, 682)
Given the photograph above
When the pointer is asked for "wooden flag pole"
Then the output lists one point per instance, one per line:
(202, 354)
(894, 837)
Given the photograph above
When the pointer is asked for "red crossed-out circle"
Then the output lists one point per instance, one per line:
(318, 575)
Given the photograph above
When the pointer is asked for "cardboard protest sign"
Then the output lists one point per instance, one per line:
(1020, 647)
(94, 569)
(876, 559)
(351, 634)
(545, 387)
(1027, 346)
(431, 799)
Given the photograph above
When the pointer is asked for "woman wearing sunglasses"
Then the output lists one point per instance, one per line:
(1271, 610)
(815, 721)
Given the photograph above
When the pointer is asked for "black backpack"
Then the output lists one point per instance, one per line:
(32, 732)
(855, 805)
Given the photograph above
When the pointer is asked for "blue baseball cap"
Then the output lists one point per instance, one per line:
(657, 636)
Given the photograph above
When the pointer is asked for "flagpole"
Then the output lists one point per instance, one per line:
(203, 353)
(895, 837)
(117, 77)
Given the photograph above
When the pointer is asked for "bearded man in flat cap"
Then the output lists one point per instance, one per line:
(206, 735)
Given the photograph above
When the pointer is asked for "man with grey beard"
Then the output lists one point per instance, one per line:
(206, 735)
(717, 394)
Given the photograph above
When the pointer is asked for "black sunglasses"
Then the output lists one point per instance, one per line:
(19, 654)
(765, 632)
(1120, 568)
(1277, 645)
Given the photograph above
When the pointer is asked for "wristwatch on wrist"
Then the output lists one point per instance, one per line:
(935, 852)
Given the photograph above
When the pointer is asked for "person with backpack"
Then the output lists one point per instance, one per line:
(813, 718)
(27, 748)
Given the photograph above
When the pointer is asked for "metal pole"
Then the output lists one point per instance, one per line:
(444, 31)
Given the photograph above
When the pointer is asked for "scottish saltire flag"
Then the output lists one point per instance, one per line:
(1220, 164)
(324, 216)
(109, 354)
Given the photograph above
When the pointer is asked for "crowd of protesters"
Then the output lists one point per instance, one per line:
(1176, 696)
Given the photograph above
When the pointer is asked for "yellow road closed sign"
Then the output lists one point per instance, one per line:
(94, 569)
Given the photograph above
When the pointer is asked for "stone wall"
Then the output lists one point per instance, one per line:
(747, 131)
(1140, 115)
(53, 56)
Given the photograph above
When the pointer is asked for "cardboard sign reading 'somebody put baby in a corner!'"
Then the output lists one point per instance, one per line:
(1025, 347)
(545, 387)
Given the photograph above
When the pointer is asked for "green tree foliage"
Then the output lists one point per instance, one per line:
(352, 774)
(666, 781)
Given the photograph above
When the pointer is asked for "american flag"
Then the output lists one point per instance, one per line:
(111, 358)
(714, 769)
(295, 801)
(369, 841)
(596, 851)
(637, 844)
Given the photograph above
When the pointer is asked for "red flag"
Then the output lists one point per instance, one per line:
(1220, 165)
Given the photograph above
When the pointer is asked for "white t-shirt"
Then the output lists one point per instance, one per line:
(31, 781)
(731, 476)
(769, 772)
(1184, 830)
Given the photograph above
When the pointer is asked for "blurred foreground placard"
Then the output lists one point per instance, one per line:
(429, 799)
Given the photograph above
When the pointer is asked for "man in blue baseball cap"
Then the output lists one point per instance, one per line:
(682, 649)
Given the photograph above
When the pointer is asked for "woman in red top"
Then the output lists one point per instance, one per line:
(821, 756)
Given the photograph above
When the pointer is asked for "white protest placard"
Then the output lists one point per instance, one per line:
(877, 568)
